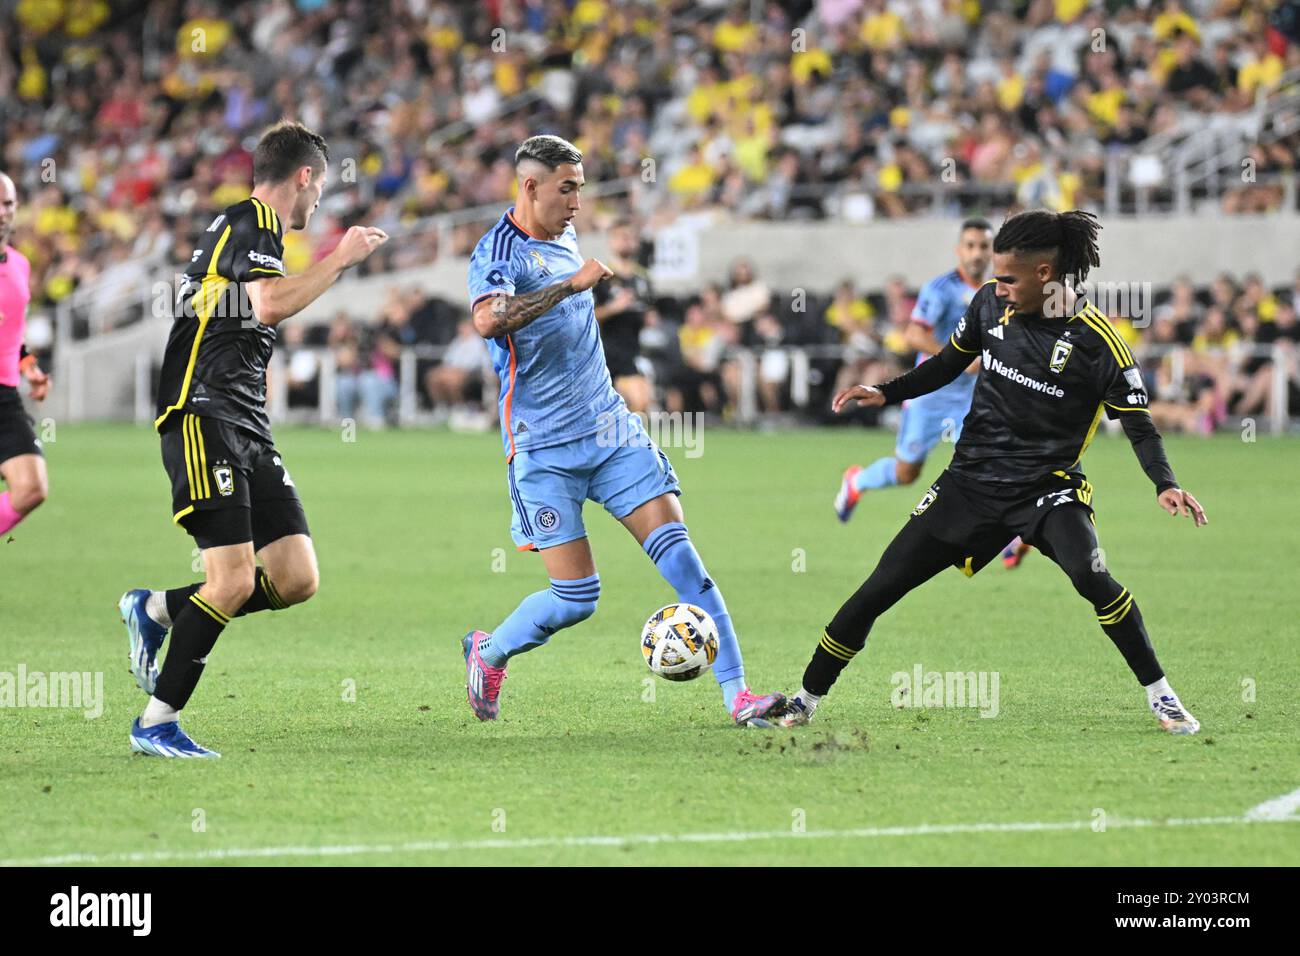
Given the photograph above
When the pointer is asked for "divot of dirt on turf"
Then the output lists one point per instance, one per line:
(819, 748)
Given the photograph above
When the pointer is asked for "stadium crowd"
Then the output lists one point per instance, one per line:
(128, 126)
(686, 350)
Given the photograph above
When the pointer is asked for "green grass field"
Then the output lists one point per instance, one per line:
(582, 768)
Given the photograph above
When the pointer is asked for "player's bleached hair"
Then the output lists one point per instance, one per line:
(550, 151)
(286, 148)
(1070, 237)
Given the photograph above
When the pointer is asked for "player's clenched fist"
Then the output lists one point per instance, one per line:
(358, 242)
(592, 271)
(867, 396)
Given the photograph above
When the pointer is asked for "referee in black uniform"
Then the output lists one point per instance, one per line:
(1051, 365)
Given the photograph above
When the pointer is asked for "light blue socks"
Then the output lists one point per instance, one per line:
(881, 473)
(540, 615)
(670, 548)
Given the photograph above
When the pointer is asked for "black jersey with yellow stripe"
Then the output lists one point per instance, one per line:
(216, 357)
(1043, 386)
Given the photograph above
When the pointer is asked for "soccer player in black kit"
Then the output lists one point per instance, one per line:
(622, 302)
(230, 489)
(1051, 365)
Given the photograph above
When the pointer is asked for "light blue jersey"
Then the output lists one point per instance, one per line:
(928, 419)
(555, 386)
(940, 306)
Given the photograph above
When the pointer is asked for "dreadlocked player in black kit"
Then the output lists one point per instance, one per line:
(1051, 363)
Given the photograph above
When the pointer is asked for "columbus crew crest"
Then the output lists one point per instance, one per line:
(225, 479)
(1060, 355)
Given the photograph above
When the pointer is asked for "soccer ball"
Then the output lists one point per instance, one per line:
(680, 641)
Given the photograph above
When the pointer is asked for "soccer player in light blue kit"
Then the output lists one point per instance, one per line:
(569, 437)
(925, 420)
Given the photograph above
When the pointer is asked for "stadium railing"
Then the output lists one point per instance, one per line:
(804, 381)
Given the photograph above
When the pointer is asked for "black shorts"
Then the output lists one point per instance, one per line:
(228, 486)
(982, 518)
(16, 434)
(621, 362)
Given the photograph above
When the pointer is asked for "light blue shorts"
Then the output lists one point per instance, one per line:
(925, 423)
(548, 486)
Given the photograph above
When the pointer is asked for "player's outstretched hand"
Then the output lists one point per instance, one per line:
(866, 396)
(592, 271)
(358, 242)
(1176, 501)
(38, 381)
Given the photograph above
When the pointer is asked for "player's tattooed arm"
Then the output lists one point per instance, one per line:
(510, 313)
(503, 314)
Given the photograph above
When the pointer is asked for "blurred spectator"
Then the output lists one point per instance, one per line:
(365, 373)
(622, 303)
(460, 380)
(695, 384)
(302, 366)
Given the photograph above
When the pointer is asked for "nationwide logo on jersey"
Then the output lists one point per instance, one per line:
(996, 332)
(1060, 355)
(225, 479)
(1020, 378)
(540, 261)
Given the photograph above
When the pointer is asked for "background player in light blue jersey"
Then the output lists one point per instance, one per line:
(927, 419)
(569, 437)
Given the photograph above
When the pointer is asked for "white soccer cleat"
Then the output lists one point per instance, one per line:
(1173, 716)
(797, 713)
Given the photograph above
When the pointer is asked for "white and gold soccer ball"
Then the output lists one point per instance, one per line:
(680, 641)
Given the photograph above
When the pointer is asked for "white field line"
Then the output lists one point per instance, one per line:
(646, 839)
(1279, 808)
